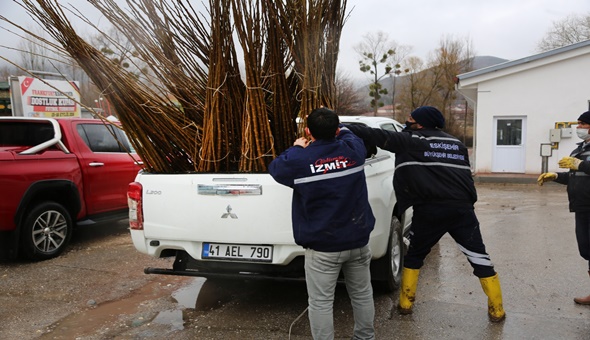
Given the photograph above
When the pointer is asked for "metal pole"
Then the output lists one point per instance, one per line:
(544, 164)
(465, 125)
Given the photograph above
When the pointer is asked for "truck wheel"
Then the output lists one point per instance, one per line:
(390, 266)
(46, 231)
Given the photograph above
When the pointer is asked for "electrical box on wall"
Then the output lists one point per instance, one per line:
(566, 133)
(546, 150)
(555, 135)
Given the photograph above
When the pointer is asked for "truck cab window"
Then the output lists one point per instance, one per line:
(26, 134)
(99, 138)
(389, 127)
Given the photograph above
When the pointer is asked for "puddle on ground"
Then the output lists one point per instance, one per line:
(195, 294)
(200, 295)
(170, 317)
(186, 296)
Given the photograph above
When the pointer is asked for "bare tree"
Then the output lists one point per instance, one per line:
(39, 53)
(348, 99)
(34, 51)
(570, 30)
(416, 89)
(380, 57)
(434, 83)
(452, 57)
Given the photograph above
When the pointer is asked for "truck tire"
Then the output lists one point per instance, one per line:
(390, 266)
(46, 231)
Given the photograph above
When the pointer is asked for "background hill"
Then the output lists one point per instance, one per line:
(478, 63)
(486, 61)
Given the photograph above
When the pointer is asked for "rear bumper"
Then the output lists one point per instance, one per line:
(185, 265)
(283, 254)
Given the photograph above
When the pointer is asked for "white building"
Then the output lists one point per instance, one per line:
(523, 104)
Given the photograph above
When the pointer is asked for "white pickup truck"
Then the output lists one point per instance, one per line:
(239, 225)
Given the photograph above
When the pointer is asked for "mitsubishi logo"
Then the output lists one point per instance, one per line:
(229, 213)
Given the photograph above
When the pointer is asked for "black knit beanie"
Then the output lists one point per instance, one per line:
(430, 117)
(584, 117)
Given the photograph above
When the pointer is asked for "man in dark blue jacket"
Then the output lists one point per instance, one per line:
(332, 219)
(433, 175)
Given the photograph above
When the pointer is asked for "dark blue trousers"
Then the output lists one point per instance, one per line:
(431, 221)
(583, 235)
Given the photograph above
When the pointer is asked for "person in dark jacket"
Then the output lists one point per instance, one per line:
(433, 175)
(332, 219)
(577, 180)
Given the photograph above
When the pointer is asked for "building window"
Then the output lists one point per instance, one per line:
(509, 132)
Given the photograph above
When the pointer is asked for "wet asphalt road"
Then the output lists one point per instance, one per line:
(97, 289)
(529, 234)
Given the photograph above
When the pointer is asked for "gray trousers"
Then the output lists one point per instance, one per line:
(321, 274)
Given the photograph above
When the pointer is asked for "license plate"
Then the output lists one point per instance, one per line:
(237, 252)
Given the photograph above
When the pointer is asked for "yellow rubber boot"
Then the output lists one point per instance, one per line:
(491, 286)
(407, 293)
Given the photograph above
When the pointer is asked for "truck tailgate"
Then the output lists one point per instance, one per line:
(221, 208)
(225, 216)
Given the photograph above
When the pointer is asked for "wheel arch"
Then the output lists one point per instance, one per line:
(64, 192)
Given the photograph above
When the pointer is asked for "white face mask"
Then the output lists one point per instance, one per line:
(583, 134)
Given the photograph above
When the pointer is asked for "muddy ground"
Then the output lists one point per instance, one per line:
(97, 288)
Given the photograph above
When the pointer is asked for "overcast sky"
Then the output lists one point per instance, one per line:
(508, 29)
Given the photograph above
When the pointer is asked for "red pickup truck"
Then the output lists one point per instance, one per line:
(58, 173)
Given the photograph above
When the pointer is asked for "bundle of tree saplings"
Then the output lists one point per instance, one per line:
(241, 72)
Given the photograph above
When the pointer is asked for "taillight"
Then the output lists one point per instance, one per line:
(134, 200)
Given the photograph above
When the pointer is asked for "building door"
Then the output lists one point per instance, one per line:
(509, 148)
